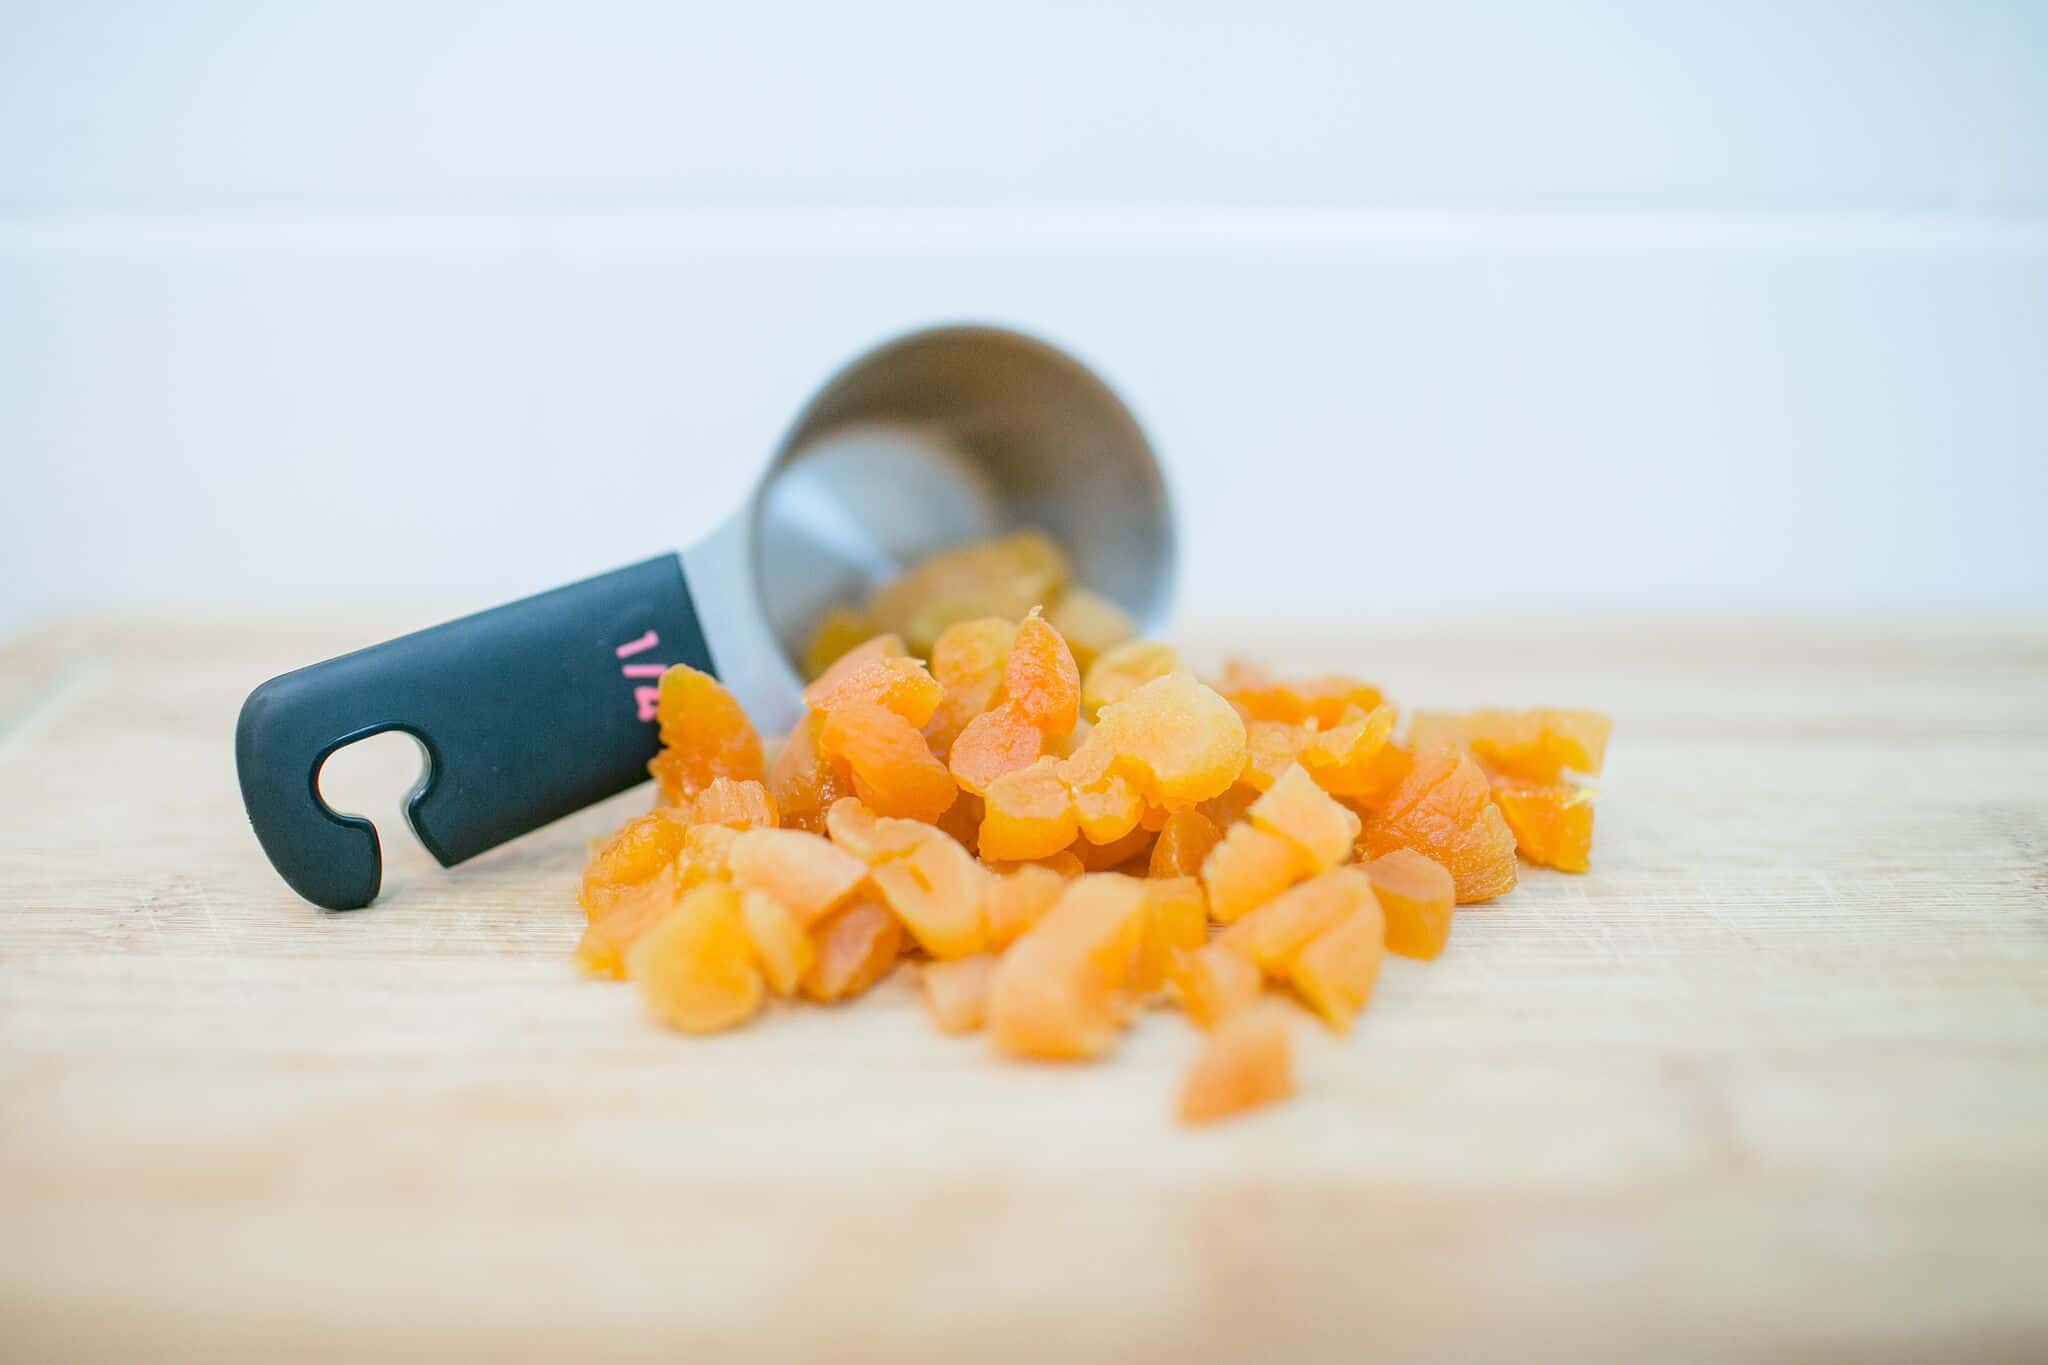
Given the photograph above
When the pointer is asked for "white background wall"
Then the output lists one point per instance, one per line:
(1579, 306)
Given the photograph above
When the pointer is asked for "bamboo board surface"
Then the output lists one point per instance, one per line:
(1770, 1083)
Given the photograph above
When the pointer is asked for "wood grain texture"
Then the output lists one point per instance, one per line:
(1770, 1083)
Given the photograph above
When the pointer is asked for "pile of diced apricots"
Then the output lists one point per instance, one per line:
(1059, 827)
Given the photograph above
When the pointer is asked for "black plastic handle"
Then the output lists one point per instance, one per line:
(527, 712)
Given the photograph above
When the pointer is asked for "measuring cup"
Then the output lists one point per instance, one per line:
(535, 709)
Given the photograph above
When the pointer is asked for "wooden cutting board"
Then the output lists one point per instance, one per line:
(1770, 1083)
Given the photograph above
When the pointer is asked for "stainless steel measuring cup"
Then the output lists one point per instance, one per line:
(531, 710)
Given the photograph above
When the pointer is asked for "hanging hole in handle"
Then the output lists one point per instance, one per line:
(374, 778)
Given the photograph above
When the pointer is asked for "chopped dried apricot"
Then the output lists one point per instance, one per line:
(1028, 813)
(1179, 741)
(1247, 868)
(1000, 740)
(901, 685)
(1444, 810)
(696, 966)
(1335, 972)
(1057, 993)
(782, 949)
(738, 804)
(1552, 821)
(1247, 1062)
(704, 734)
(1214, 983)
(602, 951)
(1346, 759)
(1108, 809)
(1005, 577)
(936, 889)
(1017, 899)
(1271, 747)
(1041, 679)
(893, 771)
(838, 630)
(1090, 624)
(855, 947)
(642, 847)
(806, 872)
(1274, 933)
(1123, 670)
(1322, 700)
(1227, 809)
(1184, 841)
(1132, 848)
(887, 645)
(1176, 920)
(1539, 745)
(1416, 896)
(871, 838)
(956, 992)
(802, 782)
(968, 661)
(706, 855)
(1298, 810)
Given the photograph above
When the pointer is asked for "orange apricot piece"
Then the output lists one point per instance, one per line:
(1323, 700)
(1335, 972)
(1247, 868)
(1444, 810)
(956, 992)
(602, 950)
(1184, 841)
(1179, 741)
(901, 685)
(999, 740)
(704, 732)
(1028, 813)
(1017, 899)
(1227, 809)
(1123, 670)
(894, 773)
(1298, 810)
(869, 837)
(1247, 1062)
(1552, 821)
(1416, 896)
(696, 967)
(1176, 920)
(743, 804)
(1271, 747)
(1539, 745)
(782, 949)
(968, 661)
(806, 872)
(1006, 577)
(1057, 993)
(1041, 679)
(1090, 624)
(1274, 933)
(838, 630)
(1214, 983)
(888, 645)
(1108, 809)
(1345, 760)
(802, 782)
(936, 889)
(640, 848)
(856, 947)
(1110, 857)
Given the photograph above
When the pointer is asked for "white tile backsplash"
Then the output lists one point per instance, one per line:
(1563, 306)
